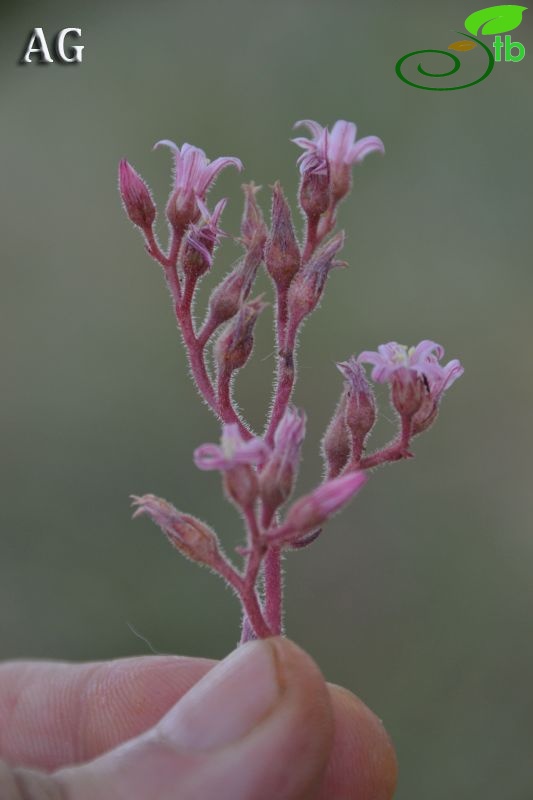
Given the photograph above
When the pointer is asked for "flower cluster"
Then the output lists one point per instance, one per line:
(259, 470)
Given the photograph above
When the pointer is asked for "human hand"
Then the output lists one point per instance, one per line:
(260, 725)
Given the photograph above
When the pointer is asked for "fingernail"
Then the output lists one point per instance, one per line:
(228, 702)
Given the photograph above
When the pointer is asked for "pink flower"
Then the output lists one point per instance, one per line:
(415, 373)
(423, 360)
(194, 175)
(314, 509)
(232, 451)
(335, 152)
(136, 196)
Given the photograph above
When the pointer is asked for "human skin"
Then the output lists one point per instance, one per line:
(262, 724)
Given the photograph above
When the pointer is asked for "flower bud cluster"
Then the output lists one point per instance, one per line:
(352, 421)
(417, 383)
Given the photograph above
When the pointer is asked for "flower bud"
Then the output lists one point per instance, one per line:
(311, 511)
(253, 228)
(194, 539)
(201, 241)
(280, 471)
(336, 441)
(360, 404)
(241, 485)
(314, 193)
(235, 343)
(182, 210)
(282, 253)
(228, 297)
(425, 416)
(136, 197)
(305, 540)
(306, 289)
(407, 391)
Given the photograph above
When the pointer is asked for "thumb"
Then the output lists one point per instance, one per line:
(257, 726)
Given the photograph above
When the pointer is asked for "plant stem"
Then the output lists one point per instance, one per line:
(226, 408)
(311, 238)
(284, 385)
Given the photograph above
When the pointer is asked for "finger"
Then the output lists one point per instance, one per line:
(363, 764)
(54, 714)
(258, 726)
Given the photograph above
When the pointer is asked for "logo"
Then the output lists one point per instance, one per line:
(38, 46)
(491, 21)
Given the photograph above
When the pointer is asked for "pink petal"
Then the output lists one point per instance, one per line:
(341, 140)
(254, 451)
(361, 149)
(315, 127)
(209, 456)
(213, 169)
(453, 370)
(307, 144)
(167, 143)
(217, 211)
(426, 347)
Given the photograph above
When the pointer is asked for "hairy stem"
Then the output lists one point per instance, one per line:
(394, 452)
(311, 238)
(226, 408)
(284, 384)
(272, 571)
(253, 565)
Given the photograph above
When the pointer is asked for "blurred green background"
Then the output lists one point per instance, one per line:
(420, 597)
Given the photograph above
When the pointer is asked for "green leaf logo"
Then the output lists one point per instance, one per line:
(496, 19)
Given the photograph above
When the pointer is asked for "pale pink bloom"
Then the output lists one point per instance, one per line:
(392, 359)
(418, 379)
(334, 152)
(203, 236)
(194, 175)
(136, 196)
(232, 451)
(315, 508)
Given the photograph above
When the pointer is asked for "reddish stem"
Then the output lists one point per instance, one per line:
(311, 238)
(273, 582)
(253, 564)
(226, 408)
(207, 330)
(247, 595)
(394, 452)
(196, 359)
(284, 385)
(272, 571)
